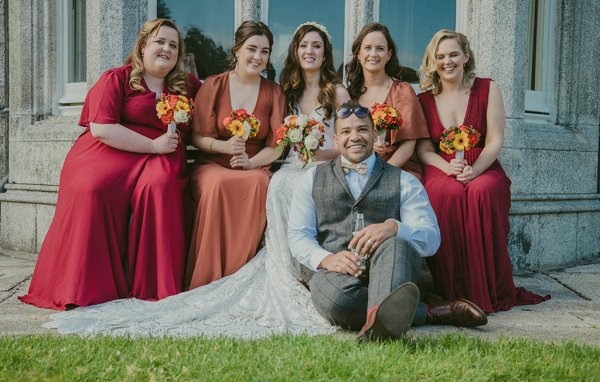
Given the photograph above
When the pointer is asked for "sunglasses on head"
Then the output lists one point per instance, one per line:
(359, 111)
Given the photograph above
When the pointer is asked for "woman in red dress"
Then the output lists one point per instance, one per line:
(231, 176)
(374, 75)
(122, 218)
(471, 197)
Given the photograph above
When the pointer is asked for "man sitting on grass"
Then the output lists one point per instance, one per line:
(400, 228)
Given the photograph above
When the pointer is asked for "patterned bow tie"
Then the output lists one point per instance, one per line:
(360, 168)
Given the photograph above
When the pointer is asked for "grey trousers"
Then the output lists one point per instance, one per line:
(344, 300)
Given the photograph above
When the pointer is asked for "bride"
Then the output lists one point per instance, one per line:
(264, 297)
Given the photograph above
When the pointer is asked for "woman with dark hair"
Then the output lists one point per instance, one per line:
(231, 175)
(121, 224)
(374, 76)
(264, 297)
(470, 196)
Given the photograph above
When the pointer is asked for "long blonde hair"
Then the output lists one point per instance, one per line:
(429, 75)
(176, 79)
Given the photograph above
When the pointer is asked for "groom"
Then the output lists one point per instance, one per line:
(400, 228)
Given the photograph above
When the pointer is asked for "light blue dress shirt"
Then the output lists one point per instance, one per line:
(418, 225)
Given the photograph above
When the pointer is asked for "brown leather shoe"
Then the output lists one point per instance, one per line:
(392, 318)
(461, 312)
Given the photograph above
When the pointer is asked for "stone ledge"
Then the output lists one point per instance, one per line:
(29, 196)
(554, 204)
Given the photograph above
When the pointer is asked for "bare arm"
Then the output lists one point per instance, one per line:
(403, 153)
(494, 136)
(427, 155)
(122, 138)
(232, 146)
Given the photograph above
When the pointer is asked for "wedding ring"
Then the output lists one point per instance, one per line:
(369, 241)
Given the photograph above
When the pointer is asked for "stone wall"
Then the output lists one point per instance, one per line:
(3, 94)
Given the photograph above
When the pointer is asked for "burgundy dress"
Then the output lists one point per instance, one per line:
(122, 219)
(473, 260)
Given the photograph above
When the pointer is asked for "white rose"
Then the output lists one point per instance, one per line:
(302, 120)
(247, 129)
(311, 142)
(295, 135)
(180, 116)
(287, 120)
(316, 132)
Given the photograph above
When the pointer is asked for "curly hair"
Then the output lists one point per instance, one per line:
(177, 78)
(355, 79)
(429, 75)
(246, 30)
(292, 78)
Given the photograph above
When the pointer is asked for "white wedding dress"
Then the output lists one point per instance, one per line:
(263, 298)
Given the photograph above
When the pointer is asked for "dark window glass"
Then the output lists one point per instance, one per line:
(412, 23)
(77, 43)
(207, 29)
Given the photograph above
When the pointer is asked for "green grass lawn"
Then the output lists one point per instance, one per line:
(448, 358)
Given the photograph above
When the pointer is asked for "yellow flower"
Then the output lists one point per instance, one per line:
(445, 148)
(162, 108)
(461, 141)
(181, 105)
(379, 114)
(236, 127)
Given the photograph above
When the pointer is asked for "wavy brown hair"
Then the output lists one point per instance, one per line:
(429, 75)
(355, 78)
(246, 30)
(292, 78)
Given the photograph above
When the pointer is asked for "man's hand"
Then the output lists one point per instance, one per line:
(366, 241)
(342, 262)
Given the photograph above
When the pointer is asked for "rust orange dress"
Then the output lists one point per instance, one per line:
(403, 98)
(231, 203)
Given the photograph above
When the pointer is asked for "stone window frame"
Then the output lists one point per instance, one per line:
(539, 104)
(70, 102)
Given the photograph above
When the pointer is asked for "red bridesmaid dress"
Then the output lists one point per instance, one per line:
(122, 220)
(473, 260)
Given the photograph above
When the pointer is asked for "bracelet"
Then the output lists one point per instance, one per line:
(210, 149)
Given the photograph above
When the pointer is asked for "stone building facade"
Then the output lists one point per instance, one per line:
(551, 150)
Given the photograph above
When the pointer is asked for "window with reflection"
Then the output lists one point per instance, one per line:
(207, 30)
(285, 16)
(412, 23)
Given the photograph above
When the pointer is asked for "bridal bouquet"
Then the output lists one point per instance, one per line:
(305, 135)
(242, 124)
(459, 139)
(385, 117)
(174, 109)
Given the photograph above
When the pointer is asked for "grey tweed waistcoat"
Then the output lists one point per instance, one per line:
(336, 207)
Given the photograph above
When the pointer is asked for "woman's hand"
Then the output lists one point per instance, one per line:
(166, 143)
(235, 145)
(384, 150)
(456, 166)
(240, 161)
(467, 175)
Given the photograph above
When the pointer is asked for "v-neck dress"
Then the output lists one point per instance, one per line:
(472, 261)
(230, 216)
(122, 220)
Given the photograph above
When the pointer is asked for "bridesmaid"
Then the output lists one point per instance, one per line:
(123, 187)
(471, 197)
(231, 176)
(373, 76)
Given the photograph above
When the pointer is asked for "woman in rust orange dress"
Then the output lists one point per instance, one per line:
(374, 77)
(231, 176)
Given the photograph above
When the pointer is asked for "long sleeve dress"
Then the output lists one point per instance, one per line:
(122, 219)
(230, 217)
(472, 261)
